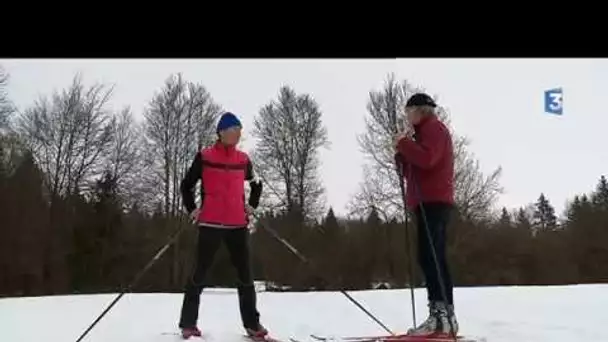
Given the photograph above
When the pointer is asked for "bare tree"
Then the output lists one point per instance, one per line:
(289, 133)
(179, 121)
(125, 161)
(6, 106)
(475, 192)
(9, 142)
(70, 135)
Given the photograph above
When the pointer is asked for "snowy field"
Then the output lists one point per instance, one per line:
(505, 314)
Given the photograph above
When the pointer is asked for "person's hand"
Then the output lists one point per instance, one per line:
(397, 138)
(251, 226)
(250, 210)
(194, 215)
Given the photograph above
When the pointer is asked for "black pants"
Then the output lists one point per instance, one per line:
(437, 218)
(209, 241)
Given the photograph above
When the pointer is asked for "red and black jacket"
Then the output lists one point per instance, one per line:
(222, 171)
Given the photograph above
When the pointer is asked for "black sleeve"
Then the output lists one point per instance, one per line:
(255, 185)
(249, 175)
(189, 182)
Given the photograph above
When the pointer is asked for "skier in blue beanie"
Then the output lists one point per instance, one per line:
(223, 217)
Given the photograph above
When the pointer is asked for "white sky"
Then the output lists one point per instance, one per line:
(497, 103)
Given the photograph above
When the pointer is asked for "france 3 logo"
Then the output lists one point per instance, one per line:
(554, 101)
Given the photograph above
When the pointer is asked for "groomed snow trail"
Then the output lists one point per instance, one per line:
(501, 314)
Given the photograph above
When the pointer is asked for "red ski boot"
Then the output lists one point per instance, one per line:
(189, 332)
(258, 334)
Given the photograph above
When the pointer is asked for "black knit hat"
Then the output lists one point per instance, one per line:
(420, 99)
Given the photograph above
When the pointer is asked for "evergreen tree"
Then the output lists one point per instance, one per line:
(522, 219)
(330, 218)
(330, 223)
(24, 233)
(600, 196)
(574, 209)
(586, 206)
(544, 214)
(505, 218)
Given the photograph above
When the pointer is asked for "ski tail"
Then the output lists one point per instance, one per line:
(399, 338)
(266, 338)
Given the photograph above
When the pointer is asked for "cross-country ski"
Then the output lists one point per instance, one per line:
(222, 336)
(399, 338)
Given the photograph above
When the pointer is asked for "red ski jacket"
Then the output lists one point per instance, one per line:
(428, 163)
(223, 171)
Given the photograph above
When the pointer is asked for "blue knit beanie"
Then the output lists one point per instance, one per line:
(228, 120)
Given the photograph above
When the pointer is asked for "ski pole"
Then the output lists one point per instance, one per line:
(444, 294)
(396, 127)
(135, 280)
(407, 236)
(305, 260)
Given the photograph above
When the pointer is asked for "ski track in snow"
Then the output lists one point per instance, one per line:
(500, 314)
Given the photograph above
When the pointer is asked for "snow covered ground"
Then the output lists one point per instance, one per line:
(501, 314)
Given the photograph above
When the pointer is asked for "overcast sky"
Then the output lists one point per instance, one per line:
(497, 103)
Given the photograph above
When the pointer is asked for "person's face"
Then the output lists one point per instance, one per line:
(231, 136)
(413, 115)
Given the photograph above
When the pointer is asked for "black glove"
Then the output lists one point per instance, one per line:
(255, 194)
(398, 160)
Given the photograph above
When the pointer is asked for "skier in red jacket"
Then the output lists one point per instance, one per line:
(427, 161)
(222, 217)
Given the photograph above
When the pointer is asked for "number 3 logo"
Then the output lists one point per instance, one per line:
(556, 101)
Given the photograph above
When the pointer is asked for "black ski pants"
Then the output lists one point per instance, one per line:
(436, 218)
(237, 243)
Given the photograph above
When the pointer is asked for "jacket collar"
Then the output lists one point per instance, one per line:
(224, 148)
(426, 119)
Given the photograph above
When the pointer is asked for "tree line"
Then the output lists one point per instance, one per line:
(89, 194)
